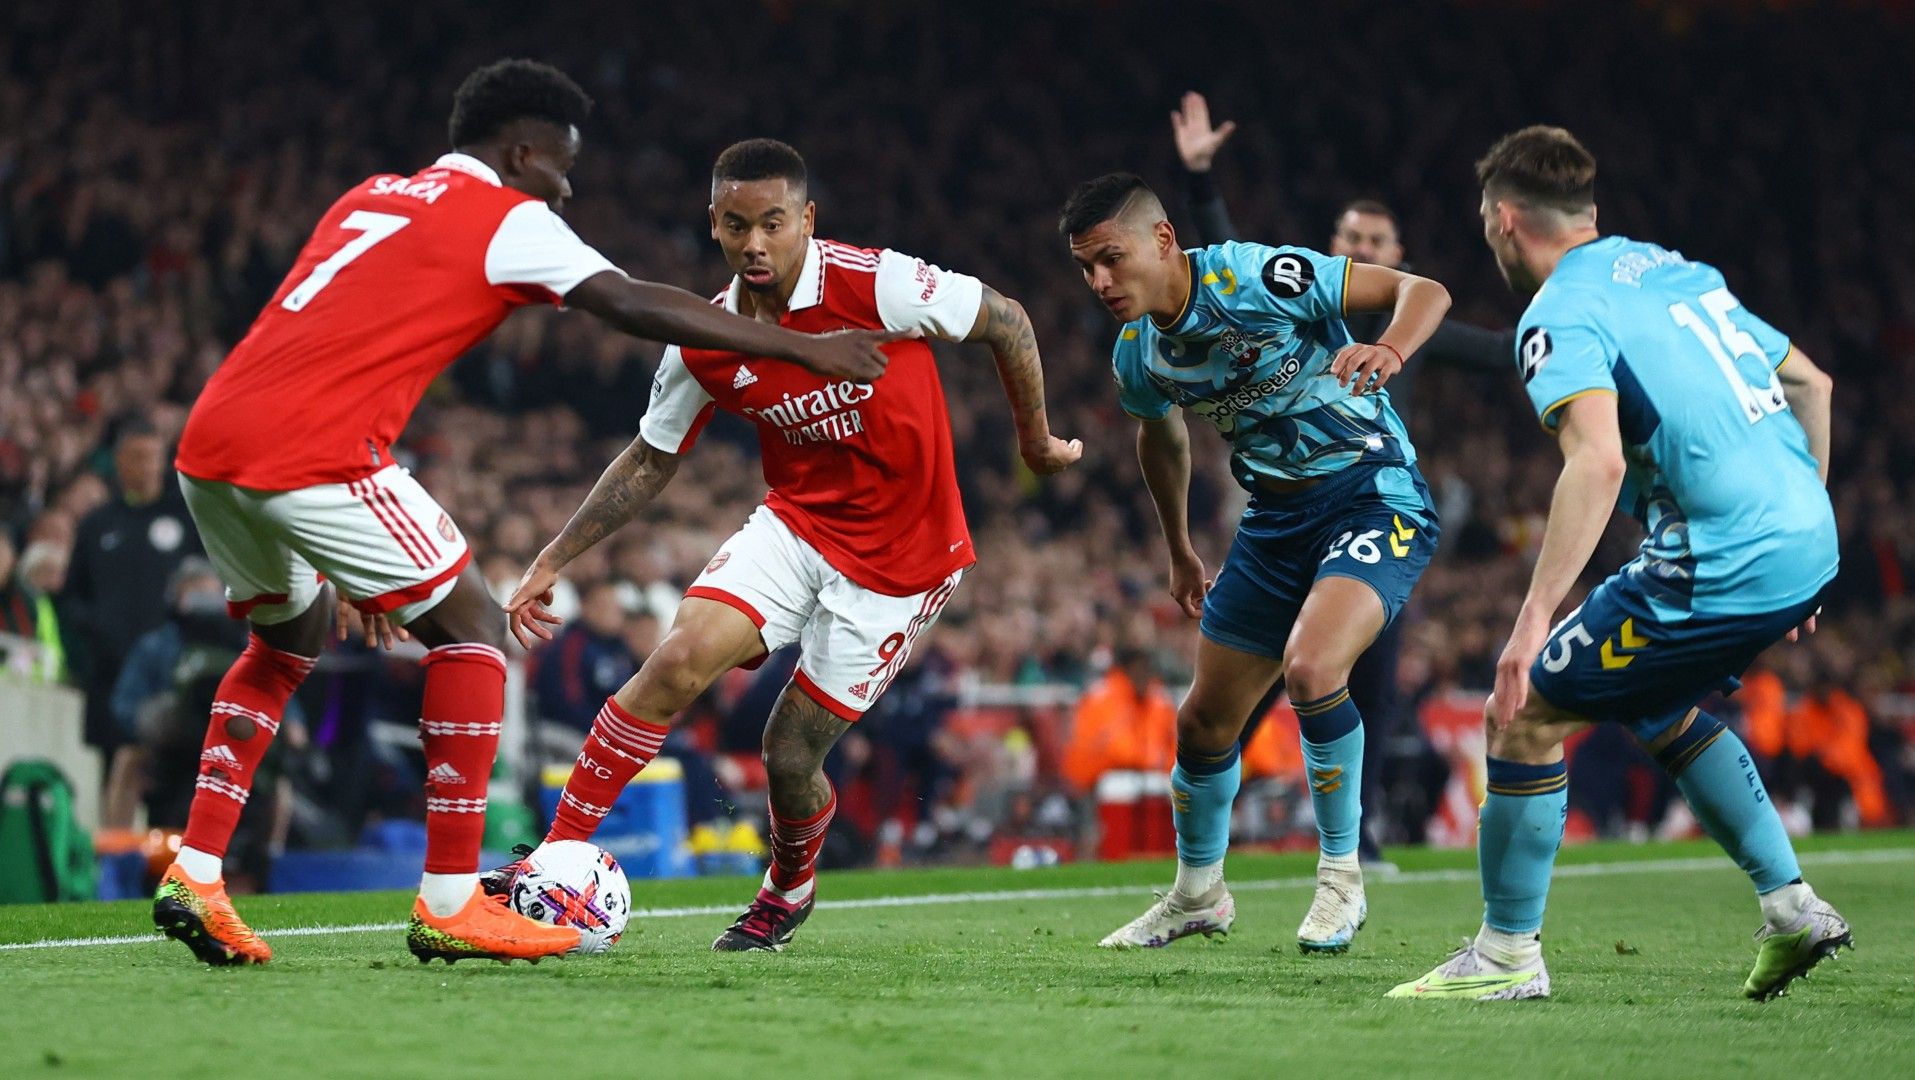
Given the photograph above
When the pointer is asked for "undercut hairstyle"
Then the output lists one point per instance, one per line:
(761, 159)
(1371, 208)
(1540, 167)
(1094, 202)
(497, 94)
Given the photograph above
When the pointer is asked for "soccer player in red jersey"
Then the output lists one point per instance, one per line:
(287, 467)
(856, 549)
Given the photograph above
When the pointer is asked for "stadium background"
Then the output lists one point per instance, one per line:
(159, 166)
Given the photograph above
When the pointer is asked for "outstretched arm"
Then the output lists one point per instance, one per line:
(1163, 450)
(662, 313)
(628, 485)
(1003, 324)
(1585, 496)
(1197, 145)
(1419, 305)
(1460, 345)
(1809, 390)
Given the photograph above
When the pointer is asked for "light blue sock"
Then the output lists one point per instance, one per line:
(1714, 772)
(1332, 732)
(1202, 787)
(1517, 835)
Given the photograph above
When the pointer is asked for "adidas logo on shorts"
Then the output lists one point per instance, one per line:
(861, 691)
(444, 773)
(743, 379)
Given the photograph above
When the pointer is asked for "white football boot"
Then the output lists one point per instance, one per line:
(1174, 916)
(1336, 913)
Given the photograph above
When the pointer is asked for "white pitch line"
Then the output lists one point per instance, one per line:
(1411, 877)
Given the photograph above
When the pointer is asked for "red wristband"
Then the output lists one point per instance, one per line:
(1394, 349)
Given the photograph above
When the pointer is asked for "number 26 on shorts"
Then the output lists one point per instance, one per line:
(1364, 548)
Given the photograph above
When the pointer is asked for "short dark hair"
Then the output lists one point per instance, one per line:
(1370, 207)
(760, 159)
(1094, 202)
(134, 426)
(499, 93)
(1542, 166)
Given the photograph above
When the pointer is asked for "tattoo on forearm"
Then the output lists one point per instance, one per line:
(1014, 343)
(628, 485)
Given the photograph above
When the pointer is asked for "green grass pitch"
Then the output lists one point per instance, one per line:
(1647, 947)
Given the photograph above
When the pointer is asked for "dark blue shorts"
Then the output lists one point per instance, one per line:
(1614, 659)
(1347, 526)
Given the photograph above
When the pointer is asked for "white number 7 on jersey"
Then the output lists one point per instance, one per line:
(371, 228)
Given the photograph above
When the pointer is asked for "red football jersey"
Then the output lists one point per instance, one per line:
(401, 277)
(862, 473)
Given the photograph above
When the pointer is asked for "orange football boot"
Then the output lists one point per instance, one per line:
(485, 928)
(202, 918)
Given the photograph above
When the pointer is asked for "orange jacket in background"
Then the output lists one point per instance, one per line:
(1115, 727)
(1834, 731)
(1277, 748)
(1765, 707)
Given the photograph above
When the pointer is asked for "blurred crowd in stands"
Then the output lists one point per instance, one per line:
(160, 166)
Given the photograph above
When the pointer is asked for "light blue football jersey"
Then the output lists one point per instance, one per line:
(1719, 471)
(1251, 354)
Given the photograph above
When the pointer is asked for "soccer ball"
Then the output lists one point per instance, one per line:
(576, 884)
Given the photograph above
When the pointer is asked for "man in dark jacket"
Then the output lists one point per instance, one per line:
(588, 662)
(123, 555)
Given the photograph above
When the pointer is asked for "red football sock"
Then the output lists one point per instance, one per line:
(795, 846)
(246, 714)
(459, 724)
(618, 747)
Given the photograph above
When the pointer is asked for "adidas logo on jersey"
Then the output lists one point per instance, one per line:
(861, 691)
(743, 379)
(220, 757)
(444, 773)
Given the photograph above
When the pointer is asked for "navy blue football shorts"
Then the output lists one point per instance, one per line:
(1372, 523)
(1614, 658)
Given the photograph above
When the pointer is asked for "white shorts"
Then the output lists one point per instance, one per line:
(382, 541)
(852, 641)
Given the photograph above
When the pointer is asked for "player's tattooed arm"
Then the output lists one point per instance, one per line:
(628, 485)
(1003, 324)
(1809, 391)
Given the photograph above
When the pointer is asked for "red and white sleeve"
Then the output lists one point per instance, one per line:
(680, 406)
(534, 248)
(914, 295)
